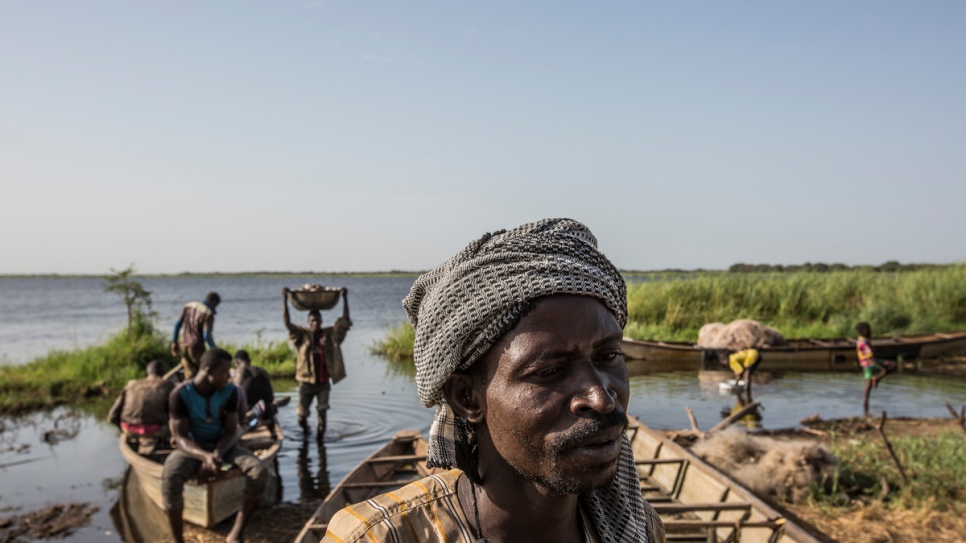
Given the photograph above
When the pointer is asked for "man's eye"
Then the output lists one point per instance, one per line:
(548, 372)
(611, 356)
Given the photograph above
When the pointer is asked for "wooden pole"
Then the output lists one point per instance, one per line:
(892, 451)
(172, 371)
(694, 422)
(734, 417)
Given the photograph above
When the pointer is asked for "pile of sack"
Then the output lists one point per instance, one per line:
(739, 334)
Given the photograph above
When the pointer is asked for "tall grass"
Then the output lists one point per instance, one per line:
(935, 465)
(801, 304)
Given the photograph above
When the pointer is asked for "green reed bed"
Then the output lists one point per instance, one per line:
(800, 304)
(674, 306)
(935, 467)
(69, 376)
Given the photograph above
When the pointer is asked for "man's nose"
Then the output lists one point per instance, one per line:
(596, 392)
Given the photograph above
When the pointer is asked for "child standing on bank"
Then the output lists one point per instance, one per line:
(873, 368)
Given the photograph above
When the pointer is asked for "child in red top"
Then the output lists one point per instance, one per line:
(873, 368)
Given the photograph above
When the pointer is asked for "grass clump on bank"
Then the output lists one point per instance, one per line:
(935, 466)
(397, 346)
(801, 304)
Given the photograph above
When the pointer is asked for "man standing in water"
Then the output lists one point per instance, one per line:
(319, 359)
(204, 428)
(195, 326)
(518, 345)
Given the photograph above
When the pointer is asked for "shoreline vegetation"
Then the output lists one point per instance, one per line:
(68, 376)
(673, 307)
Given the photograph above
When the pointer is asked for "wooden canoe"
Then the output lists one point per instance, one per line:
(694, 500)
(697, 502)
(210, 503)
(399, 462)
(799, 354)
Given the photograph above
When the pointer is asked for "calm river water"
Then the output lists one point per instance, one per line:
(66, 455)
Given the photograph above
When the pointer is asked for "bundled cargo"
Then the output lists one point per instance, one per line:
(739, 334)
(314, 297)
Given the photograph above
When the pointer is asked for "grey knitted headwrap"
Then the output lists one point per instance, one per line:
(462, 308)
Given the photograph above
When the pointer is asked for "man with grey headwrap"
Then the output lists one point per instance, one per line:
(518, 340)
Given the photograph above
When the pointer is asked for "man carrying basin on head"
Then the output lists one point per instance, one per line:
(319, 359)
(205, 431)
(194, 326)
(518, 346)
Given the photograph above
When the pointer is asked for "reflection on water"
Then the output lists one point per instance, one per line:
(313, 483)
(136, 518)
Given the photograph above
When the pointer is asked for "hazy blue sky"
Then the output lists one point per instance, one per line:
(355, 135)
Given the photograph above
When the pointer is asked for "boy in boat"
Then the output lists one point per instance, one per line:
(873, 368)
(518, 346)
(319, 359)
(194, 326)
(141, 410)
(204, 428)
(257, 387)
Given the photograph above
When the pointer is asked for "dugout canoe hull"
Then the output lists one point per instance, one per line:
(697, 502)
(208, 504)
(693, 499)
(399, 462)
(800, 354)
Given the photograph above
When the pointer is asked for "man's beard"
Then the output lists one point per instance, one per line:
(557, 480)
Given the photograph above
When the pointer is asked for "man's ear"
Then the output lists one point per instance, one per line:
(459, 390)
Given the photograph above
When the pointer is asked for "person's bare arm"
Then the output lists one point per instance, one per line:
(345, 303)
(114, 416)
(285, 316)
(231, 437)
(210, 462)
(175, 349)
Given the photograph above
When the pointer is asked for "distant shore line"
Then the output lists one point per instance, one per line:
(808, 267)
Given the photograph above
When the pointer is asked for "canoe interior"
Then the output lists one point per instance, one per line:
(399, 462)
(208, 504)
(697, 502)
(694, 500)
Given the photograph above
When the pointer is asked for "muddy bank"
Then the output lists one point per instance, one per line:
(269, 525)
(51, 522)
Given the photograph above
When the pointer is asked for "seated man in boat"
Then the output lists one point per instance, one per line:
(873, 368)
(142, 408)
(319, 359)
(257, 387)
(204, 427)
(518, 345)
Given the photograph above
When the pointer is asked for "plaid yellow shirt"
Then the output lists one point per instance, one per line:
(427, 511)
